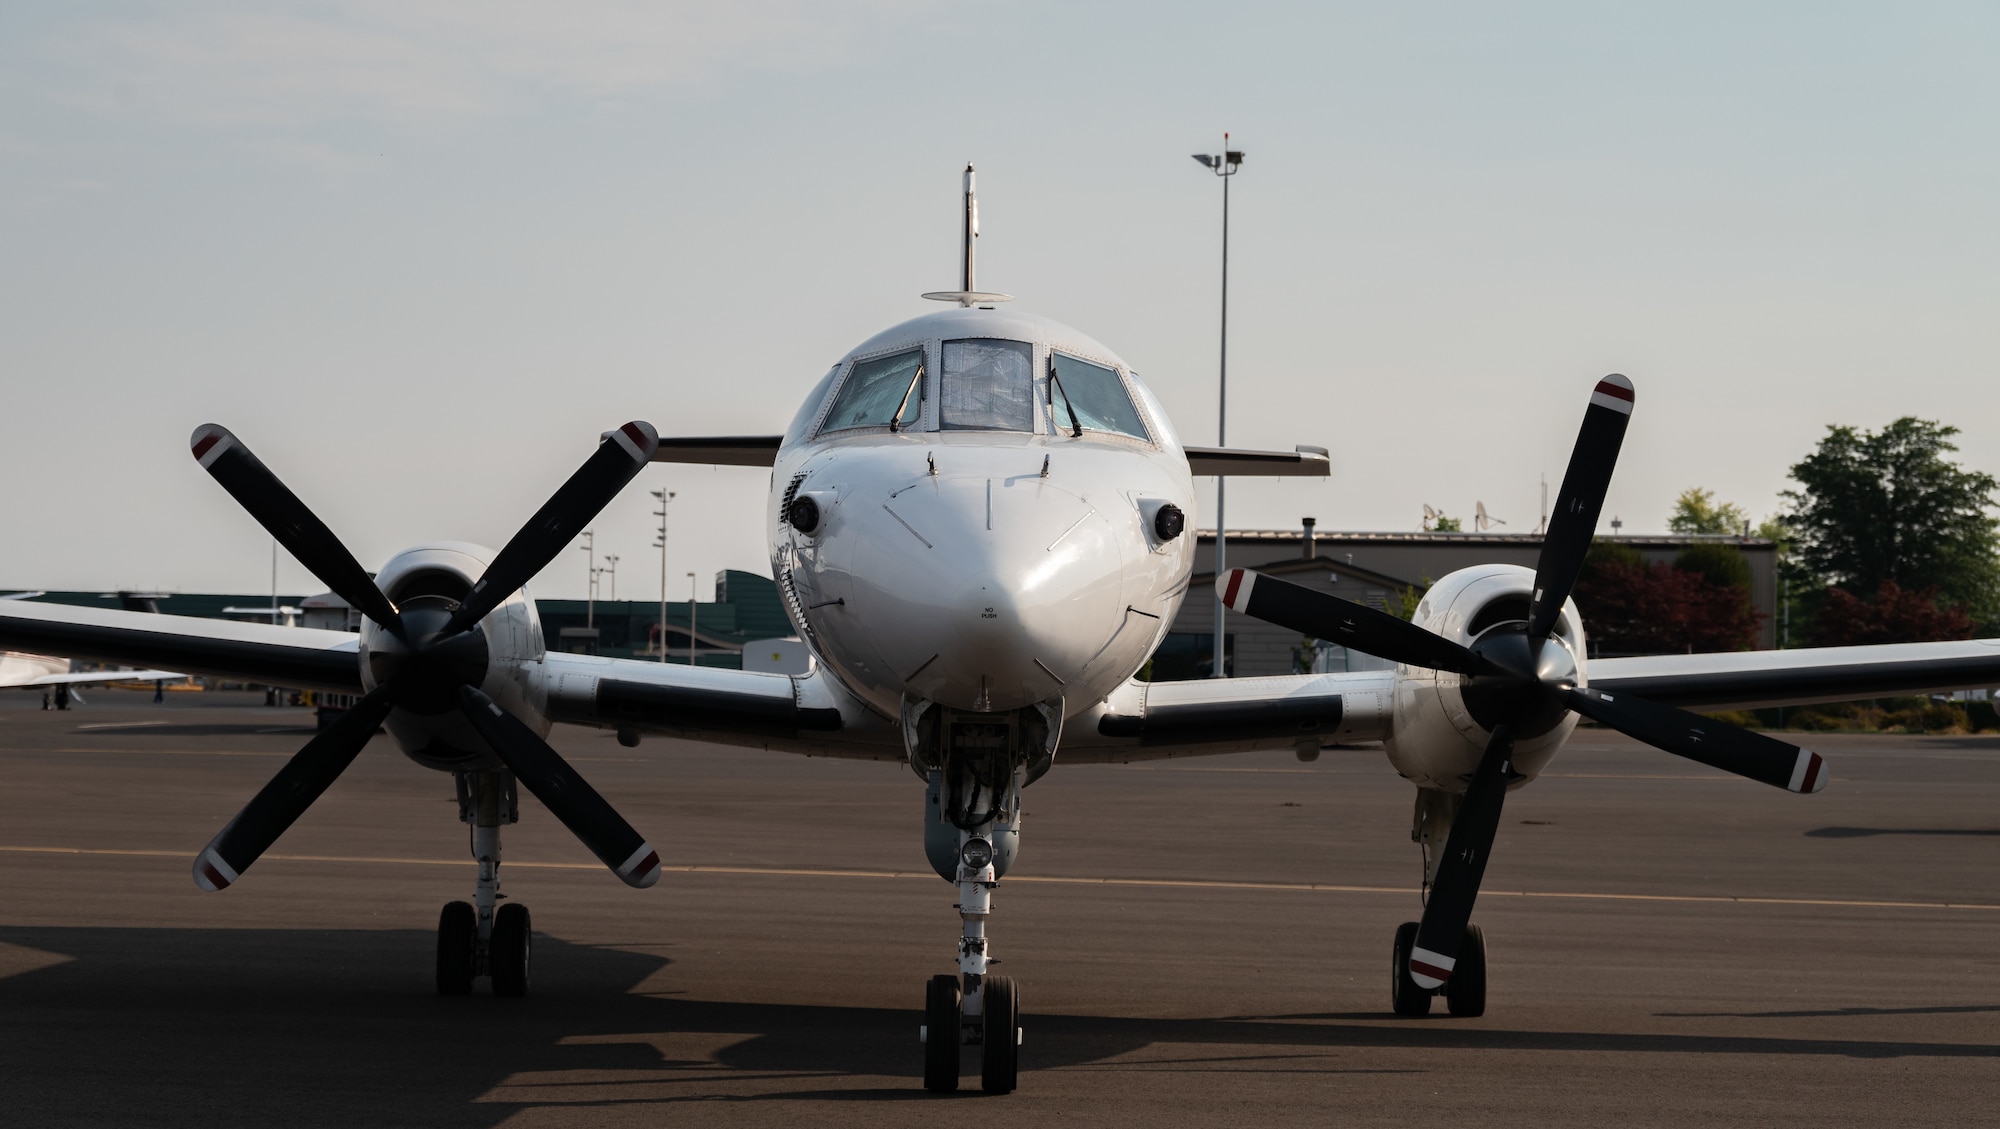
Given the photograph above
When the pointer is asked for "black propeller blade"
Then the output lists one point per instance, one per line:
(1331, 618)
(1717, 744)
(1579, 502)
(558, 786)
(621, 455)
(1463, 865)
(302, 533)
(310, 772)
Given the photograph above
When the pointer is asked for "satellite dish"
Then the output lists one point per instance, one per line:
(1482, 521)
(1430, 516)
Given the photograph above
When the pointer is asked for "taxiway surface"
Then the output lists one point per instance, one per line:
(1198, 942)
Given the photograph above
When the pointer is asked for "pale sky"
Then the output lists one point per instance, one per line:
(420, 255)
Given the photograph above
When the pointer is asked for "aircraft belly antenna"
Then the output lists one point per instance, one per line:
(968, 293)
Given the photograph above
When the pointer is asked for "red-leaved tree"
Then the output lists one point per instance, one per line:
(1631, 607)
(1895, 615)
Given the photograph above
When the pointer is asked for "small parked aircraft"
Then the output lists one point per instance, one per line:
(979, 521)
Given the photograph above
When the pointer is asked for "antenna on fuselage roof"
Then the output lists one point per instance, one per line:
(968, 293)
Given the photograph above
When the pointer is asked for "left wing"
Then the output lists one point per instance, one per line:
(1755, 679)
(1205, 717)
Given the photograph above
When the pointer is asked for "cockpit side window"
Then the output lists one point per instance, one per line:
(880, 392)
(809, 410)
(1095, 394)
(988, 385)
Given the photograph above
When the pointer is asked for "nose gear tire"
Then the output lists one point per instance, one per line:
(1404, 994)
(458, 941)
(509, 950)
(942, 1001)
(1465, 992)
(1000, 1014)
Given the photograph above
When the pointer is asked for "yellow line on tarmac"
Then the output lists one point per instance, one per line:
(1045, 880)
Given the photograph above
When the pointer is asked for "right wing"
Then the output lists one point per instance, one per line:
(77, 677)
(301, 657)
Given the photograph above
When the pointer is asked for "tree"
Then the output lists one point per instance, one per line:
(1696, 511)
(1720, 563)
(1893, 616)
(1633, 607)
(1449, 525)
(1875, 508)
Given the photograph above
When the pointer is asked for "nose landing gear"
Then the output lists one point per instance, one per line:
(975, 767)
(484, 938)
(975, 1008)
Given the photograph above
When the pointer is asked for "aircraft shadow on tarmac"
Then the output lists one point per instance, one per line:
(191, 729)
(341, 1028)
(1867, 832)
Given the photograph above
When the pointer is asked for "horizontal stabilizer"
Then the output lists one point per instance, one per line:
(1308, 462)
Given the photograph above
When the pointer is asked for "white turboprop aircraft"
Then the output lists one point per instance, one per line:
(979, 522)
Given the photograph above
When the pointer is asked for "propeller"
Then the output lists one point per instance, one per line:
(1519, 682)
(434, 660)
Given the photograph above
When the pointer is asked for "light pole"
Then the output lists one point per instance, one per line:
(1224, 165)
(664, 497)
(590, 592)
(692, 612)
(611, 566)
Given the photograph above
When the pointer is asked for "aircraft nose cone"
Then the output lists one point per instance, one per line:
(1009, 587)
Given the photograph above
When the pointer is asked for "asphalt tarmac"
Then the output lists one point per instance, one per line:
(1201, 942)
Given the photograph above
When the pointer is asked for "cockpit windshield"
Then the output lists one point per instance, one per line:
(988, 385)
(1095, 394)
(881, 392)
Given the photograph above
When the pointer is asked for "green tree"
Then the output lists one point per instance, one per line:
(1696, 511)
(1720, 563)
(1448, 525)
(1889, 506)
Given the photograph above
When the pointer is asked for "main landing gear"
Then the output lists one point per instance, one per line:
(484, 938)
(1464, 994)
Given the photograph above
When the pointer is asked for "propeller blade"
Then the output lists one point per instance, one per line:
(1579, 502)
(1328, 617)
(1466, 849)
(620, 456)
(588, 816)
(302, 533)
(1717, 744)
(280, 803)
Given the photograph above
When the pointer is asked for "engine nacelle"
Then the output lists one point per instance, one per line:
(1434, 741)
(439, 576)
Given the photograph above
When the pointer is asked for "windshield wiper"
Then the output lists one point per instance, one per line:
(1056, 384)
(896, 421)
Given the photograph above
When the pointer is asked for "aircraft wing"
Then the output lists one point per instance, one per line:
(1755, 679)
(77, 677)
(719, 450)
(254, 652)
(1238, 462)
(1156, 720)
